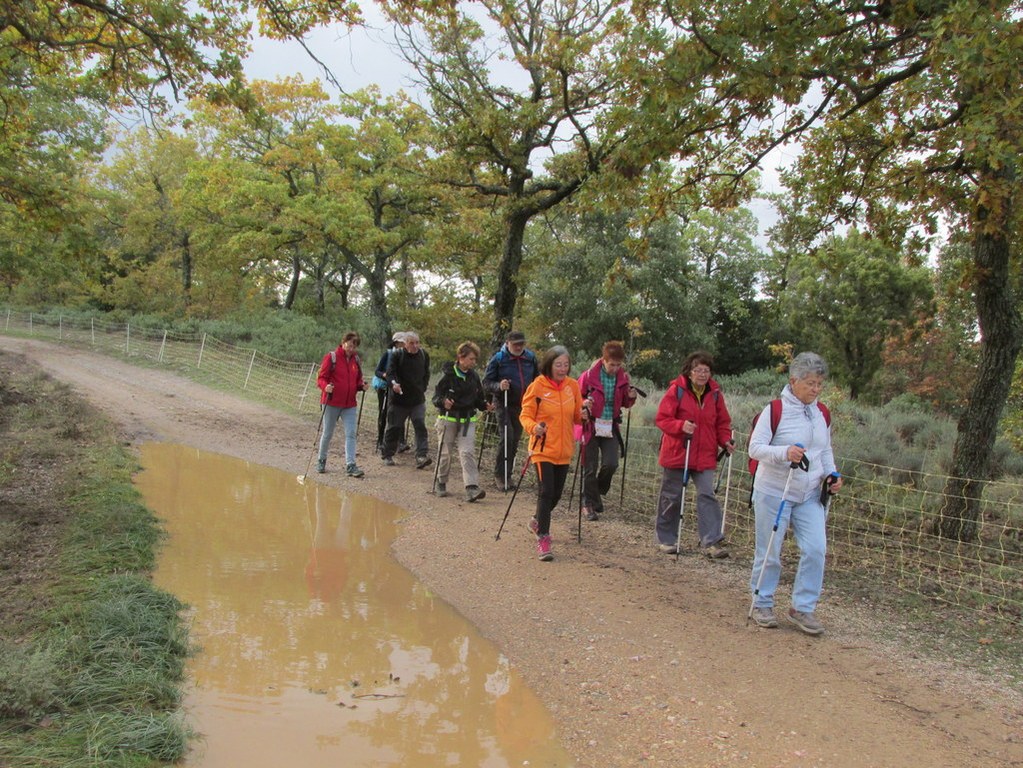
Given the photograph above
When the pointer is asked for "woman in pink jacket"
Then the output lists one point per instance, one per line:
(607, 384)
(695, 422)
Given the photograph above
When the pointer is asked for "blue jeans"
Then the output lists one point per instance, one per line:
(807, 521)
(331, 414)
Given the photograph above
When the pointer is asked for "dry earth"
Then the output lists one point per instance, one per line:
(642, 660)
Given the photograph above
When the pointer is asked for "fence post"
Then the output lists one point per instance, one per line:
(60, 327)
(305, 389)
(29, 323)
(202, 346)
(92, 330)
(163, 344)
(7, 327)
(248, 373)
(127, 339)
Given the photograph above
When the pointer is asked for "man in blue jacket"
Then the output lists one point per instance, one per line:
(508, 374)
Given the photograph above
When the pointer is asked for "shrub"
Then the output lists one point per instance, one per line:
(28, 690)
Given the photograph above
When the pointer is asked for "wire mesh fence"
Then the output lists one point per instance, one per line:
(883, 535)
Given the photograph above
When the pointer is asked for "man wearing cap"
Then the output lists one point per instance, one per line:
(508, 374)
(380, 385)
(408, 377)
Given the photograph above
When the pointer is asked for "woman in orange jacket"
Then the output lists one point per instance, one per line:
(551, 407)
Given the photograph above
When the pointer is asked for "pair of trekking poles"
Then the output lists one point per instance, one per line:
(825, 499)
(518, 484)
(319, 427)
(717, 486)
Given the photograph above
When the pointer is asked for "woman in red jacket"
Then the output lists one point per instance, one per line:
(551, 407)
(340, 379)
(695, 422)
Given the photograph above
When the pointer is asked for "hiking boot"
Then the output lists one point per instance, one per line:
(423, 461)
(353, 470)
(764, 617)
(716, 551)
(474, 493)
(501, 485)
(806, 621)
(402, 447)
(388, 461)
(442, 490)
(668, 549)
(321, 466)
(543, 547)
(590, 514)
(534, 526)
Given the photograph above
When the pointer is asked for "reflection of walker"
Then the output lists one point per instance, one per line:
(520, 721)
(326, 572)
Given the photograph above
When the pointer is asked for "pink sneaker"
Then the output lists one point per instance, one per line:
(534, 526)
(543, 547)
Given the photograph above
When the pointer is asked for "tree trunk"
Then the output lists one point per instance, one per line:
(186, 269)
(376, 282)
(1000, 330)
(507, 293)
(296, 276)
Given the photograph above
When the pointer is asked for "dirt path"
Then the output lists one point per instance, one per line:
(641, 660)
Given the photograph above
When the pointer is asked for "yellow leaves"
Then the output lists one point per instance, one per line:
(283, 19)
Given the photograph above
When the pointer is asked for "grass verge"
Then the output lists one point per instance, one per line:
(92, 655)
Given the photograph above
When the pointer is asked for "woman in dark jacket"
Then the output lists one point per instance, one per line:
(695, 422)
(380, 385)
(459, 397)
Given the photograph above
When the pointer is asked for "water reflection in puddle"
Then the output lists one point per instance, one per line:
(317, 648)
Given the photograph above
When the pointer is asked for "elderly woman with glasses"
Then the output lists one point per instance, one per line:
(796, 468)
(695, 423)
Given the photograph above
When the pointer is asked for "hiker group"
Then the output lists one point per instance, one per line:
(789, 448)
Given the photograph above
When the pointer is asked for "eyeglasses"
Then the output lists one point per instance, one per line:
(702, 371)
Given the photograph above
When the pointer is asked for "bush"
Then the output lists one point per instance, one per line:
(28, 690)
(908, 403)
(764, 383)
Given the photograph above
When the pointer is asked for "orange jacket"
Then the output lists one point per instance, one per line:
(559, 406)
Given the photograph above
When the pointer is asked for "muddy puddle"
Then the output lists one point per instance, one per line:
(315, 647)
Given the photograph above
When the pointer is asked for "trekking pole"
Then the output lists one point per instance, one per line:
(507, 419)
(728, 484)
(483, 437)
(316, 448)
(625, 446)
(625, 456)
(580, 460)
(575, 477)
(358, 420)
(803, 464)
(440, 445)
(682, 504)
(436, 466)
(525, 466)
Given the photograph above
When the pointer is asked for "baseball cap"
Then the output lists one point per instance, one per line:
(515, 336)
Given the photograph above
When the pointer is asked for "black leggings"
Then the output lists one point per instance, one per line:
(550, 483)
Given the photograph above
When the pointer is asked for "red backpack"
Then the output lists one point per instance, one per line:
(775, 419)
